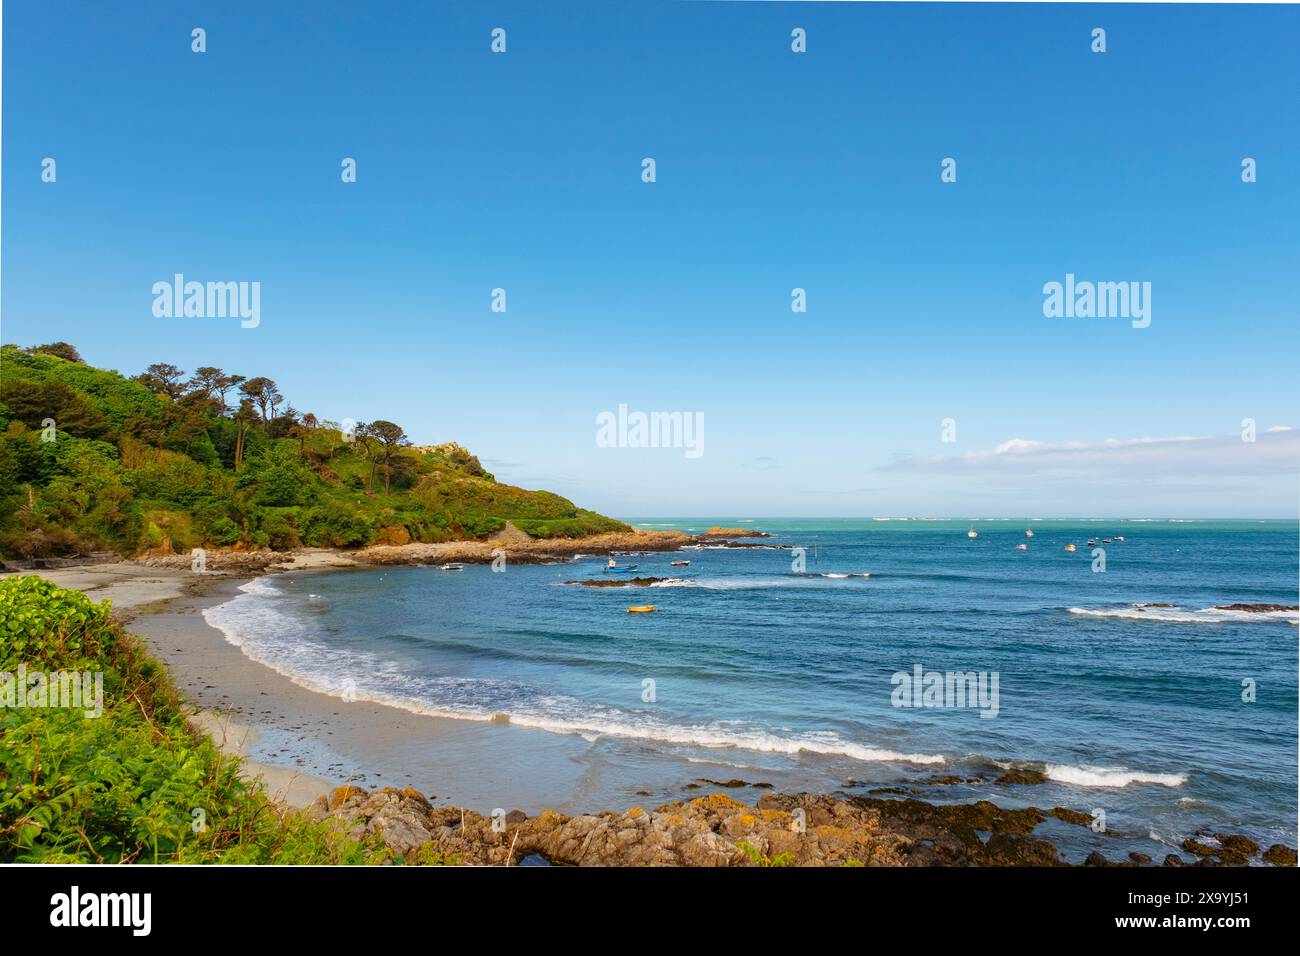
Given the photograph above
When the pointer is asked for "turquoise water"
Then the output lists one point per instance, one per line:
(770, 672)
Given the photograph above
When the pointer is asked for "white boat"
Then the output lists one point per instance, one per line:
(1022, 547)
(451, 566)
(1029, 532)
(972, 533)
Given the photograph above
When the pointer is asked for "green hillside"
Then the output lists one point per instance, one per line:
(92, 460)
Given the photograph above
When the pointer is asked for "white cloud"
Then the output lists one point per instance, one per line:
(1275, 451)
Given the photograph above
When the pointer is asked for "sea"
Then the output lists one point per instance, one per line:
(889, 657)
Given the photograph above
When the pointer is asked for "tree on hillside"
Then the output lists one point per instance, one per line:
(390, 437)
(370, 445)
(264, 393)
(245, 418)
(301, 430)
(205, 379)
(163, 378)
(60, 349)
(224, 384)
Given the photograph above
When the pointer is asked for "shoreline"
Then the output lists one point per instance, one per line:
(306, 745)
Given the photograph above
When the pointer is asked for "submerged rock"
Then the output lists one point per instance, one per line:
(1022, 775)
(617, 582)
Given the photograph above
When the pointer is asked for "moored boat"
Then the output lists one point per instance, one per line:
(641, 609)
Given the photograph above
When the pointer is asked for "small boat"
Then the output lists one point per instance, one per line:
(451, 566)
(972, 533)
(1092, 542)
(641, 609)
(623, 569)
(680, 564)
(1119, 538)
(1070, 547)
(1029, 532)
(1022, 547)
(1105, 540)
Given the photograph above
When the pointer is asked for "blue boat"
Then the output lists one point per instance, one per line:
(628, 567)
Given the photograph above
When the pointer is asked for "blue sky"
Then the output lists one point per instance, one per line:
(774, 171)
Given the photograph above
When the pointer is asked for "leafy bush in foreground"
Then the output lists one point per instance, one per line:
(124, 787)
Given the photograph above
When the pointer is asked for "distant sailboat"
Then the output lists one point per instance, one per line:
(1029, 532)
(972, 533)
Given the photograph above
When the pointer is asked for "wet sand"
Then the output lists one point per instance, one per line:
(478, 764)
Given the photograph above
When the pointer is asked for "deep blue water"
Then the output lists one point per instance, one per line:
(786, 676)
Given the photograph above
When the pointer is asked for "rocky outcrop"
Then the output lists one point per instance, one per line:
(716, 532)
(714, 830)
(523, 550)
(1280, 855)
(718, 830)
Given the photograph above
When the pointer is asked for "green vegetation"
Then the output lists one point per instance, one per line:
(91, 460)
(759, 858)
(134, 784)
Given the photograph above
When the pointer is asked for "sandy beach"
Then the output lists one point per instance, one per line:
(303, 743)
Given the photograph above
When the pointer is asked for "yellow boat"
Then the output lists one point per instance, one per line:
(642, 609)
(1070, 547)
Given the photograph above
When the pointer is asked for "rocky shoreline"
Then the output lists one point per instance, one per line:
(517, 547)
(718, 830)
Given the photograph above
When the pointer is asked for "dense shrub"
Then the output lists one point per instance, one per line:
(124, 786)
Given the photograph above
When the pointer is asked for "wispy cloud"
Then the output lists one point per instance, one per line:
(1275, 450)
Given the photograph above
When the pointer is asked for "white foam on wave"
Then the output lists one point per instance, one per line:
(264, 633)
(1109, 776)
(1178, 615)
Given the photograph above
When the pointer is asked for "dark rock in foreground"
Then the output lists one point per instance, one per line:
(717, 830)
